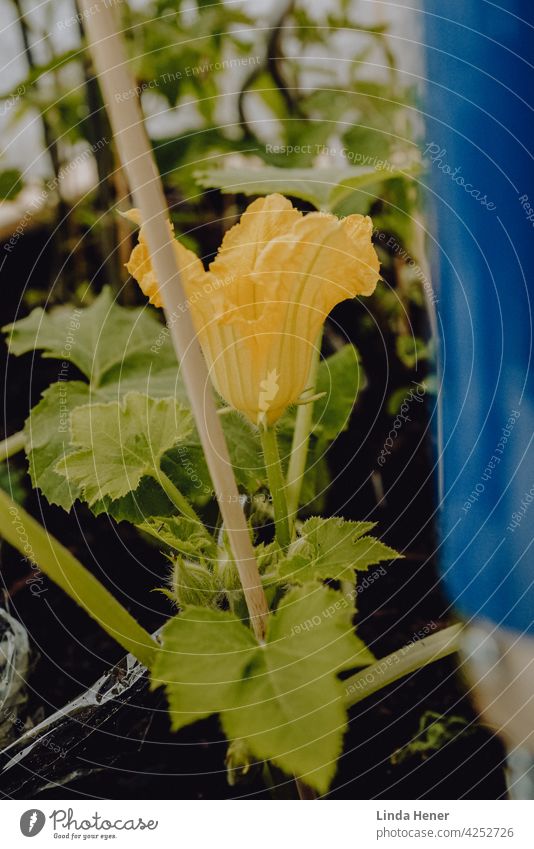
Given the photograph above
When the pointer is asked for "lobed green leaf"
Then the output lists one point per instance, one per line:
(96, 339)
(332, 549)
(284, 697)
(118, 443)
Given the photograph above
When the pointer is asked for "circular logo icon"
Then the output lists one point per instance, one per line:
(32, 822)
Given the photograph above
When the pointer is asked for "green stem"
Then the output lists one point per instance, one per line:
(179, 500)
(47, 555)
(300, 444)
(400, 663)
(275, 479)
(12, 445)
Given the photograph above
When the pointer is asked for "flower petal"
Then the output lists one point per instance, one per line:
(263, 220)
(299, 277)
(139, 265)
(359, 229)
(323, 260)
(259, 308)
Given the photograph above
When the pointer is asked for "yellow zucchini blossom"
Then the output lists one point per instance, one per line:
(259, 308)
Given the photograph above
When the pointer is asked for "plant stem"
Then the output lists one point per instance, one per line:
(275, 479)
(12, 445)
(300, 444)
(179, 500)
(400, 663)
(40, 548)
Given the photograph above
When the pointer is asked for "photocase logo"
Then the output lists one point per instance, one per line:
(32, 822)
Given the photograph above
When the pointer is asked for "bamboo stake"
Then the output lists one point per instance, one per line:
(119, 91)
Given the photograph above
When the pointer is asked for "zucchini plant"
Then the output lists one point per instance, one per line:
(115, 432)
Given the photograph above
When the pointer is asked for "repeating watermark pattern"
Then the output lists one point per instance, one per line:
(188, 72)
(401, 417)
(519, 515)
(391, 660)
(492, 463)
(70, 341)
(355, 157)
(345, 600)
(207, 289)
(63, 407)
(190, 467)
(527, 208)
(49, 187)
(437, 156)
(85, 14)
(36, 579)
(9, 715)
(401, 252)
(12, 100)
(63, 374)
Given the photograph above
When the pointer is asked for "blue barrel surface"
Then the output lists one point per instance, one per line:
(479, 138)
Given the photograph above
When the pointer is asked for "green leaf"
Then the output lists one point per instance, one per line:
(149, 499)
(284, 698)
(37, 545)
(332, 549)
(116, 444)
(11, 183)
(203, 656)
(340, 377)
(411, 350)
(146, 364)
(187, 467)
(96, 339)
(316, 478)
(322, 187)
(435, 731)
(181, 534)
(245, 451)
(12, 481)
(368, 178)
(48, 439)
(38, 71)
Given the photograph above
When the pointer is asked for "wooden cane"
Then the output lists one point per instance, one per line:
(107, 49)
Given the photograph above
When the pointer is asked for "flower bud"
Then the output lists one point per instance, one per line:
(193, 583)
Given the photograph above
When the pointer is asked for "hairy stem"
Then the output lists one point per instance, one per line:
(41, 549)
(275, 479)
(300, 444)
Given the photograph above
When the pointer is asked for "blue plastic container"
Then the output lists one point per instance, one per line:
(479, 139)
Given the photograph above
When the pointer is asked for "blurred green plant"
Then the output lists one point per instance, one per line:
(435, 731)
